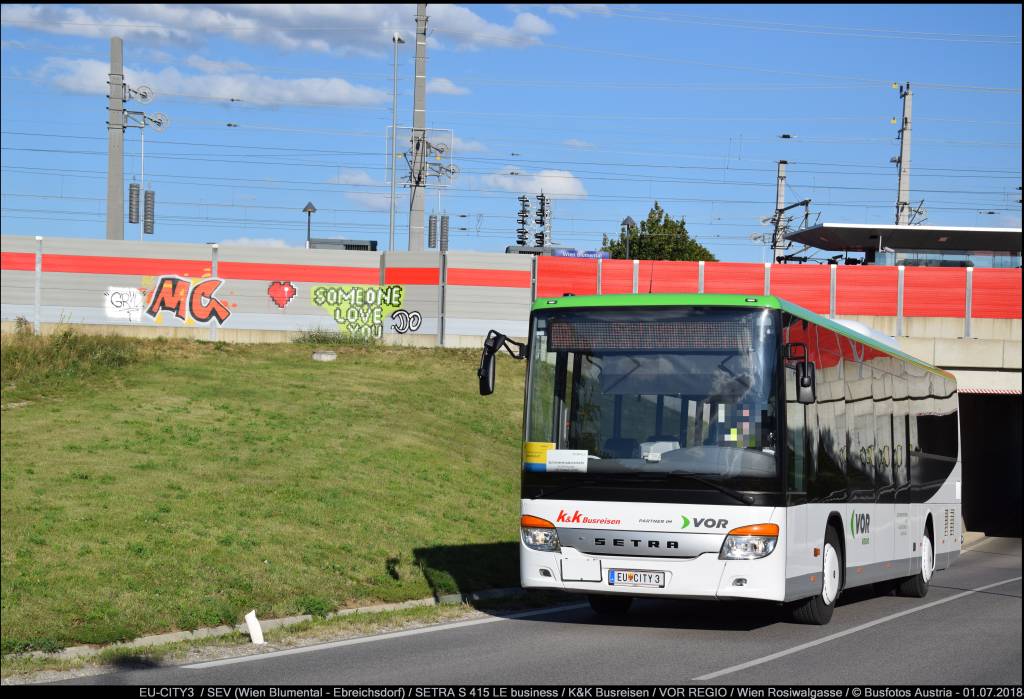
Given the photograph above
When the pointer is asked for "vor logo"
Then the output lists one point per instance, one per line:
(860, 524)
(705, 522)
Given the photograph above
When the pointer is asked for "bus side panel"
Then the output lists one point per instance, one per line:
(801, 565)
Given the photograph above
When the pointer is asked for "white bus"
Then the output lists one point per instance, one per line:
(728, 447)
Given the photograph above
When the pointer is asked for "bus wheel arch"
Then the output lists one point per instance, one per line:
(835, 522)
(917, 585)
(816, 610)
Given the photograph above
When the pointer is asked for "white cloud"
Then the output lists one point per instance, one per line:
(557, 184)
(577, 143)
(529, 23)
(374, 201)
(256, 242)
(444, 86)
(358, 177)
(464, 146)
(90, 77)
(206, 65)
(574, 11)
(326, 28)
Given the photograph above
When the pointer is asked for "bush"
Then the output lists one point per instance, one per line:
(35, 364)
(334, 338)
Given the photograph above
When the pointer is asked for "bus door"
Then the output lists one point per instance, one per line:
(902, 540)
(882, 523)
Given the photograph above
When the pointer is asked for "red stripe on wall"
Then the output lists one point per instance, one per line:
(617, 276)
(804, 285)
(996, 293)
(867, 291)
(734, 278)
(18, 261)
(516, 279)
(94, 264)
(668, 277)
(261, 271)
(412, 275)
(934, 292)
(565, 275)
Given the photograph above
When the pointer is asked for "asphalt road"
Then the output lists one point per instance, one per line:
(958, 634)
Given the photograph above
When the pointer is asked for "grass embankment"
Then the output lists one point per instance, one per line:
(150, 486)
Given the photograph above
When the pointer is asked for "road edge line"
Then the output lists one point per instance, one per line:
(847, 632)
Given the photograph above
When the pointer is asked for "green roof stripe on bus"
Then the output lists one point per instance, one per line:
(725, 300)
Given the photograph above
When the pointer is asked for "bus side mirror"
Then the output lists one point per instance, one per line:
(797, 351)
(494, 342)
(492, 345)
(805, 382)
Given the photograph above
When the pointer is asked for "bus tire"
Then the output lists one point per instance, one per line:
(917, 585)
(610, 605)
(818, 610)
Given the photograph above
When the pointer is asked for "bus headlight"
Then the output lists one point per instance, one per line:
(746, 543)
(538, 534)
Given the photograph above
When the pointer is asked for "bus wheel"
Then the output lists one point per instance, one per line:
(818, 609)
(917, 586)
(610, 605)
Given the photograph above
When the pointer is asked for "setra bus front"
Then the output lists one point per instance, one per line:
(650, 462)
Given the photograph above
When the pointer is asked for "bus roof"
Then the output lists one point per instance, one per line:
(726, 300)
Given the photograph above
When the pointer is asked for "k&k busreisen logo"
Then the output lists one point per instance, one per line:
(578, 517)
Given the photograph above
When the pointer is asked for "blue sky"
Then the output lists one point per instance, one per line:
(607, 108)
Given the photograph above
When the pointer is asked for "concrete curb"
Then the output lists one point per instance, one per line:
(86, 651)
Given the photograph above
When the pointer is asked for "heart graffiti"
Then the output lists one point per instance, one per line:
(281, 293)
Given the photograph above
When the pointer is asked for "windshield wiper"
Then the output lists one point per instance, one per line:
(735, 494)
(549, 493)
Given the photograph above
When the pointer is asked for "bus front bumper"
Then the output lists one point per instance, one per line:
(701, 577)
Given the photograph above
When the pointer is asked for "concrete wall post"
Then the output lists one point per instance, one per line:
(969, 292)
(214, 253)
(38, 284)
(831, 291)
(899, 300)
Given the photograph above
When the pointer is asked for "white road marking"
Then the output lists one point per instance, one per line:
(847, 632)
(381, 637)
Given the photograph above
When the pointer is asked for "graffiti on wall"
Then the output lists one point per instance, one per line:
(192, 301)
(361, 310)
(124, 303)
(281, 293)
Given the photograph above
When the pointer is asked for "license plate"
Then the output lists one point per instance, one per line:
(636, 578)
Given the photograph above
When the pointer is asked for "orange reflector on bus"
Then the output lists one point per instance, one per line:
(817, 552)
(756, 530)
(537, 522)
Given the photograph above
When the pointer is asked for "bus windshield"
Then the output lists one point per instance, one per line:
(682, 391)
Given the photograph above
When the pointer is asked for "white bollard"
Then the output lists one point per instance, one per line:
(255, 631)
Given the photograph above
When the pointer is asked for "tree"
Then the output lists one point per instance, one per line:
(657, 238)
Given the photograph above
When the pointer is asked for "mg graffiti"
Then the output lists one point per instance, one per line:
(188, 300)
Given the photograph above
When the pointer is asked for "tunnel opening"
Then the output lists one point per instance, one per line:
(990, 453)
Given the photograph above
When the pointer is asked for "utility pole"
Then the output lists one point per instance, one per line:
(903, 163)
(396, 39)
(418, 180)
(115, 142)
(780, 202)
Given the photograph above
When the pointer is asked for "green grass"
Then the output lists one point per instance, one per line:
(197, 481)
